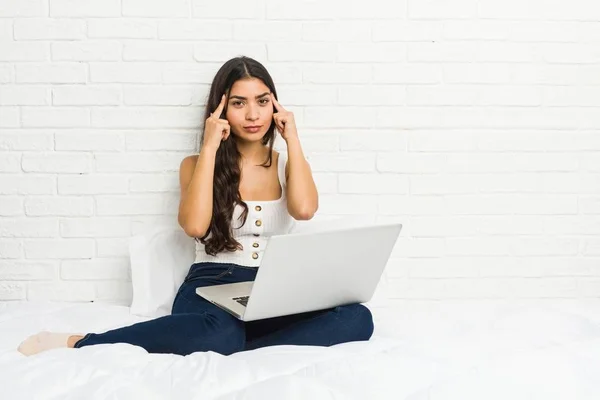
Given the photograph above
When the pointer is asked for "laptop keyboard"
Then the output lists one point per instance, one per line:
(243, 300)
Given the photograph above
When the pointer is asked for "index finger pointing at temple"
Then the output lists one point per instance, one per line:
(278, 106)
(220, 107)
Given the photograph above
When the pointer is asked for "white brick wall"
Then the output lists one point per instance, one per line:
(475, 123)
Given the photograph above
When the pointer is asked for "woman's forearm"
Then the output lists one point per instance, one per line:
(195, 210)
(302, 196)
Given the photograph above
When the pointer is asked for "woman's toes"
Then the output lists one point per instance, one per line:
(30, 345)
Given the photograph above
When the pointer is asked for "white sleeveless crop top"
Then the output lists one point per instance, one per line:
(265, 218)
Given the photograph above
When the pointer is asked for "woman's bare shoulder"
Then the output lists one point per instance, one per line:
(189, 161)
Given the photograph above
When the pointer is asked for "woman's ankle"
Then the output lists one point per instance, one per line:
(72, 340)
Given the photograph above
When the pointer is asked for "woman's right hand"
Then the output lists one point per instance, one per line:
(216, 129)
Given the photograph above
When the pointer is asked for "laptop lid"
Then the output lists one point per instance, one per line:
(309, 271)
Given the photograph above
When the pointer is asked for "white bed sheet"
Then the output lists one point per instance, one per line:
(475, 349)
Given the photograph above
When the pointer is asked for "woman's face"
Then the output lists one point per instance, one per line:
(249, 109)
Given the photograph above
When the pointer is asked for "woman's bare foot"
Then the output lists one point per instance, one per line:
(43, 341)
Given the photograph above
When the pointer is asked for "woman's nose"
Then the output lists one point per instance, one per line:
(252, 113)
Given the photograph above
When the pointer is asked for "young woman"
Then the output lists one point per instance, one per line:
(235, 193)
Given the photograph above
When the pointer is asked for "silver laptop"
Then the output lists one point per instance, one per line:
(310, 271)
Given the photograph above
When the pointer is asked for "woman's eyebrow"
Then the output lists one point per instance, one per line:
(244, 98)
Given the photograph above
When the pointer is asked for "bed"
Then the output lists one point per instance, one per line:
(472, 349)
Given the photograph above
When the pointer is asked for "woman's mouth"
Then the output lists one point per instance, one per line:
(253, 128)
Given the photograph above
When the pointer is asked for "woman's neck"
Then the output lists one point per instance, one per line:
(253, 152)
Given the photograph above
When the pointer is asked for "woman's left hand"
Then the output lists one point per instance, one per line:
(284, 120)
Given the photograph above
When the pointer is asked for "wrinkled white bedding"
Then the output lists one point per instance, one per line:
(525, 349)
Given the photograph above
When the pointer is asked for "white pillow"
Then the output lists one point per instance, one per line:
(160, 260)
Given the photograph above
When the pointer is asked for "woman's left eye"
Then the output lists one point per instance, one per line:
(263, 101)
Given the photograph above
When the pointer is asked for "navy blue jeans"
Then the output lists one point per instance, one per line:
(195, 324)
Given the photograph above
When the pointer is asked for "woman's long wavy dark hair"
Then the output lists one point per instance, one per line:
(226, 194)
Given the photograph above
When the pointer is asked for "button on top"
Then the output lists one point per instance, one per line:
(258, 222)
(255, 255)
(258, 208)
